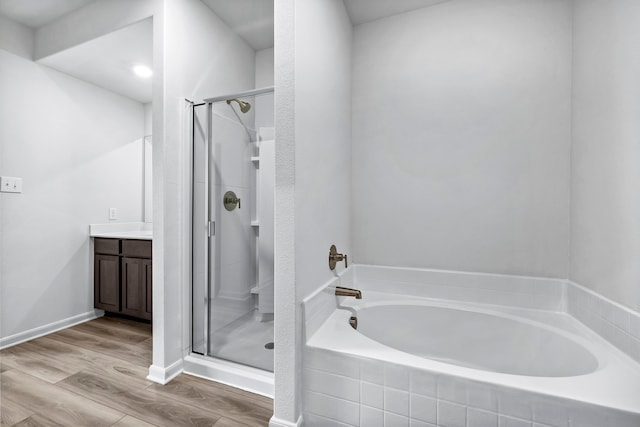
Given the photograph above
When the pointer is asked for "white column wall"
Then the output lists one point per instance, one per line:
(313, 170)
(200, 57)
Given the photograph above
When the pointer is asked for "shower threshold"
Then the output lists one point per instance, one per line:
(233, 374)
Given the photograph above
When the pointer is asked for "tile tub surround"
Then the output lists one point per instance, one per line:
(348, 389)
(617, 324)
(123, 230)
(356, 391)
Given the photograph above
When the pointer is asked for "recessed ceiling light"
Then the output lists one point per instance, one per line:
(142, 71)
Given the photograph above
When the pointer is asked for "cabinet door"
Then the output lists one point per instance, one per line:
(147, 268)
(106, 282)
(134, 287)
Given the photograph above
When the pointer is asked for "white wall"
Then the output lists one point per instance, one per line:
(461, 135)
(313, 168)
(93, 20)
(323, 135)
(605, 203)
(264, 77)
(78, 150)
(16, 38)
(196, 56)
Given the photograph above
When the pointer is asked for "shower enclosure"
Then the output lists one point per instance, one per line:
(232, 234)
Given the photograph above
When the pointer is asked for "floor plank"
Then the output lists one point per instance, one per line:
(123, 323)
(130, 421)
(150, 407)
(248, 411)
(95, 374)
(267, 402)
(227, 422)
(113, 330)
(55, 403)
(37, 420)
(36, 364)
(130, 353)
(12, 412)
(61, 352)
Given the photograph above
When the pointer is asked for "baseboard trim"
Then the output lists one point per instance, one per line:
(50, 328)
(276, 422)
(164, 375)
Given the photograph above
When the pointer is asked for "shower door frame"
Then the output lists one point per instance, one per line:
(210, 227)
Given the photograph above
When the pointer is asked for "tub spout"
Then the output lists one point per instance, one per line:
(348, 292)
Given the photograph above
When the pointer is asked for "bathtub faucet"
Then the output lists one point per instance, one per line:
(348, 292)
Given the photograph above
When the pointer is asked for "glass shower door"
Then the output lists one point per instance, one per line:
(232, 317)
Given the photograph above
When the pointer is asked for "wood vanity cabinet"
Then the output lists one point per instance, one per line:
(122, 276)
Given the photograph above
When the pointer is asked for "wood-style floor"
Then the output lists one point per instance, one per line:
(94, 375)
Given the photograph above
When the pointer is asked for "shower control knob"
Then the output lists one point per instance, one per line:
(230, 200)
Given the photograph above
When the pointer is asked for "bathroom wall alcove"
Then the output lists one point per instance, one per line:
(456, 135)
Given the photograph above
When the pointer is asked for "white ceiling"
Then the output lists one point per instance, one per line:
(250, 19)
(107, 61)
(35, 13)
(361, 11)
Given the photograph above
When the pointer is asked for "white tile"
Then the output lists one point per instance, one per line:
(395, 420)
(505, 421)
(372, 371)
(327, 361)
(452, 389)
(396, 377)
(331, 384)
(621, 319)
(396, 401)
(607, 311)
(372, 395)
(313, 420)
(551, 412)
(371, 416)
(424, 383)
(418, 423)
(634, 326)
(635, 349)
(482, 396)
(515, 404)
(479, 418)
(330, 407)
(451, 414)
(423, 408)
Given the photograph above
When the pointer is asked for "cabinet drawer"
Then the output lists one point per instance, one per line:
(106, 246)
(136, 248)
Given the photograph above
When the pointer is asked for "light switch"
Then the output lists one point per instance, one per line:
(113, 213)
(10, 184)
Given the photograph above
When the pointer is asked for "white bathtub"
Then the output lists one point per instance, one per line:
(473, 364)
(476, 338)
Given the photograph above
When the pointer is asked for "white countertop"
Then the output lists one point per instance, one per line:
(122, 230)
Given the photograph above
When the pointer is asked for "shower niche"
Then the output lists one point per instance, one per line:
(232, 228)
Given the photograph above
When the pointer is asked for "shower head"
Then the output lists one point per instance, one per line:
(244, 106)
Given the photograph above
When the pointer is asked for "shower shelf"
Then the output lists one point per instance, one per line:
(255, 223)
